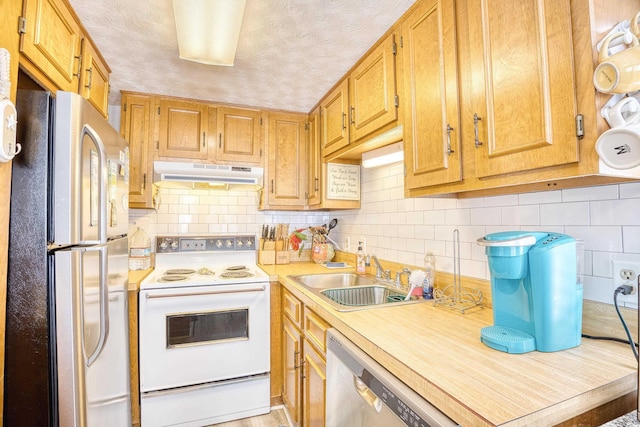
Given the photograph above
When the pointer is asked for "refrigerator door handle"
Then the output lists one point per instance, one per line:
(102, 181)
(103, 291)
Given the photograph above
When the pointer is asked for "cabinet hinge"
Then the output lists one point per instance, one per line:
(260, 121)
(124, 107)
(22, 25)
(396, 101)
(261, 152)
(394, 49)
(306, 126)
(401, 40)
(157, 145)
(158, 110)
(580, 126)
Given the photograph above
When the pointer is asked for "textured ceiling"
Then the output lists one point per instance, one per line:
(289, 55)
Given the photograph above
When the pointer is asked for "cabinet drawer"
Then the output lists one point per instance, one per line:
(315, 330)
(292, 308)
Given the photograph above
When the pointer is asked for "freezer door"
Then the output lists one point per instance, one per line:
(92, 335)
(91, 175)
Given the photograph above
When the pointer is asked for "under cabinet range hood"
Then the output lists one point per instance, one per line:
(201, 175)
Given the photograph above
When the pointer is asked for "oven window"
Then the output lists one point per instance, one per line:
(202, 328)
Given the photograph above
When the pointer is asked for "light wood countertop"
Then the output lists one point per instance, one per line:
(438, 353)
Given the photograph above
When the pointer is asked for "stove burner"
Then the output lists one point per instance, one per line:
(204, 271)
(236, 268)
(179, 271)
(236, 274)
(172, 278)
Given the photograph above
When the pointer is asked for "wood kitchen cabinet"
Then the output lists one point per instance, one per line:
(136, 126)
(519, 85)
(239, 133)
(431, 123)
(304, 360)
(363, 105)
(58, 52)
(334, 109)
(286, 166)
(314, 161)
(182, 131)
(94, 77)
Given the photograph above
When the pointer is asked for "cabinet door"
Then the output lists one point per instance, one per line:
(51, 41)
(333, 114)
(292, 357)
(183, 128)
(372, 91)
(136, 127)
(287, 159)
(315, 379)
(431, 130)
(94, 78)
(522, 82)
(239, 136)
(314, 160)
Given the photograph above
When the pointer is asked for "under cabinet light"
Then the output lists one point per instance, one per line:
(383, 156)
(208, 30)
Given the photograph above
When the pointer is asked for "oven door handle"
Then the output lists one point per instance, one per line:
(215, 292)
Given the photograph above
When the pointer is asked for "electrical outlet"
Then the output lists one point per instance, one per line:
(626, 273)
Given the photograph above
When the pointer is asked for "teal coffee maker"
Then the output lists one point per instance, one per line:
(537, 297)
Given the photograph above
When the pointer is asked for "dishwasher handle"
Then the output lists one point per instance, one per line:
(367, 395)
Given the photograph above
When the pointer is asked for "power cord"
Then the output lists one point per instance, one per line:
(624, 290)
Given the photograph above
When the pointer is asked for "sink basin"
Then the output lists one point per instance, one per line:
(332, 280)
(364, 295)
(349, 291)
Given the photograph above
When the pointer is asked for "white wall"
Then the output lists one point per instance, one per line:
(607, 218)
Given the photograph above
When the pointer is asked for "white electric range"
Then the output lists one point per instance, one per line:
(204, 332)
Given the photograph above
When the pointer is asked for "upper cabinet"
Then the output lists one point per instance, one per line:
(314, 160)
(286, 167)
(520, 84)
(58, 53)
(333, 113)
(94, 77)
(136, 126)
(431, 110)
(51, 42)
(362, 106)
(239, 135)
(182, 129)
(372, 91)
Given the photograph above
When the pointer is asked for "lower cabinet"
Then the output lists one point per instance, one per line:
(304, 363)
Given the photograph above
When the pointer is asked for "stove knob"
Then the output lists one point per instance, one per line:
(164, 245)
(174, 244)
(229, 243)
(240, 244)
(249, 243)
(218, 243)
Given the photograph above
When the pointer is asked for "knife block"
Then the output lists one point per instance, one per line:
(267, 252)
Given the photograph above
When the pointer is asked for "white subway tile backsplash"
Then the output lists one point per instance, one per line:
(402, 230)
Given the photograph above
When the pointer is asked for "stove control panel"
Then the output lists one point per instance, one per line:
(172, 244)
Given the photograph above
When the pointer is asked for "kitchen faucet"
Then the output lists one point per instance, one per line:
(399, 274)
(381, 273)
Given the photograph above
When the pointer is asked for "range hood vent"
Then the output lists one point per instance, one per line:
(214, 176)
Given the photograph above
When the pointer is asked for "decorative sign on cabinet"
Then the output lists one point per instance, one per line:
(343, 181)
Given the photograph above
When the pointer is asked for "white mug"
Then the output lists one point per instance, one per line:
(619, 148)
(624, 112)
(620, 72)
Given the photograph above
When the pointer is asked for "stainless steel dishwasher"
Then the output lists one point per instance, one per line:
(360, 392)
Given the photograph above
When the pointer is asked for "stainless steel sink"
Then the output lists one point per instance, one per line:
(333, 280)
(349, 291)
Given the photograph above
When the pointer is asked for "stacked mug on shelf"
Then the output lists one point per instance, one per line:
(618, 74)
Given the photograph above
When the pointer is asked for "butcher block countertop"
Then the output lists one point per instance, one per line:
(438, 353)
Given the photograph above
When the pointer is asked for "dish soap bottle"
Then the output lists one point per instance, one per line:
(430, 277)
(360, 268)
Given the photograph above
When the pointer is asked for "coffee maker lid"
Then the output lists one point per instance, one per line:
(512, 238)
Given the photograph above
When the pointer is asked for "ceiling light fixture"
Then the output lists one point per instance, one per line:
(383, 156)
(208, 30)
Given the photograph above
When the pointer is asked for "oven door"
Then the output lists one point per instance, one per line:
(195, 335)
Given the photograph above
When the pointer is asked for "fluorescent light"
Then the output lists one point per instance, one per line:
(383, 156)
(208, 30)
